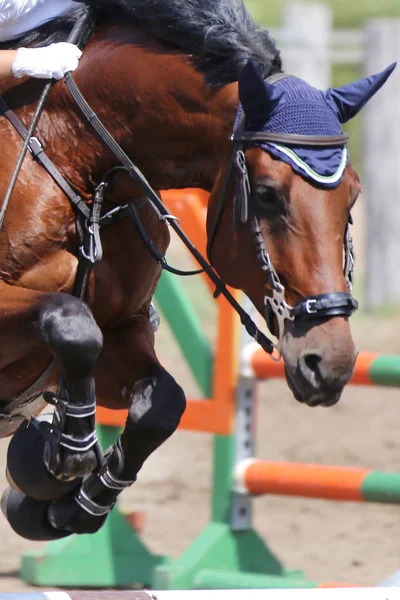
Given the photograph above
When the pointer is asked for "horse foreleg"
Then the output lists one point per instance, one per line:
(71, 333)
(33, 325)
(156, 404)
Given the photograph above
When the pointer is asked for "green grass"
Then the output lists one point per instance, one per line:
(266, 13)
(355, 12)
(346, 13)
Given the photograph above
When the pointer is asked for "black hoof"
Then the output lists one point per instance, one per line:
(26, 469)
(28, 517)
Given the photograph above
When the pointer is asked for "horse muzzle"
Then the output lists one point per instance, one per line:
(319, 362)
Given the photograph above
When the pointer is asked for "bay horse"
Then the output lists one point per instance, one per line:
(171, 80)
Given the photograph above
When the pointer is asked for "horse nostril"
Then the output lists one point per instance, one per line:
(309, 365)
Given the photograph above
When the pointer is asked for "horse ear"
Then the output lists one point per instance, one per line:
(257, 97)
(347, 101)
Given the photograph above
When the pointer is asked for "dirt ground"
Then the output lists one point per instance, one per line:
(328, 540)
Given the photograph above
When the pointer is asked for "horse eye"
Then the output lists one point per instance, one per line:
(266, 194)
(269, 202)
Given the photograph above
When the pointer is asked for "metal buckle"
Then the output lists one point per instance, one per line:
(91, 259)
(308, 304)
(34, 146)
(168, 218)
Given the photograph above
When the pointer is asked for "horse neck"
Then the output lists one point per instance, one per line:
(157, 107)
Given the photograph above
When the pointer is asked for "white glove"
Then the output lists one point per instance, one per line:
(48, 62)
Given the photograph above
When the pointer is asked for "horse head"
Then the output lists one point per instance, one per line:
(289, 247)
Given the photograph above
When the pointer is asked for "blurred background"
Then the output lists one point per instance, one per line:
(329, 44)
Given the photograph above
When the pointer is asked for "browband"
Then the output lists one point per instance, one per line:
(292, 138)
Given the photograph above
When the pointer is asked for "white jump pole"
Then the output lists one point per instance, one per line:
(355, 593)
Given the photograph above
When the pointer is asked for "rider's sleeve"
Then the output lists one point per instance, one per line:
(12, 10)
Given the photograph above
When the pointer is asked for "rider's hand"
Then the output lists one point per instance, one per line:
(48, 62)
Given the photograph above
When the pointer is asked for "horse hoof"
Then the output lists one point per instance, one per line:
(26, 469)
(28, 517)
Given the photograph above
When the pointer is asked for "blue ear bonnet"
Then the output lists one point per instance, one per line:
(303, 110)
(292, 106)
(299, 109)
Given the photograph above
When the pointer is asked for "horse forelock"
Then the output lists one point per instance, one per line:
(219, 35)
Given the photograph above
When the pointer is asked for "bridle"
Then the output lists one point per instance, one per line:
(311, 308)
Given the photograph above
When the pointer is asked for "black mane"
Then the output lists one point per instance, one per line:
(220, 35)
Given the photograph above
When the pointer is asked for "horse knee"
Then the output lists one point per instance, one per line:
(156, 403)
(68, 327)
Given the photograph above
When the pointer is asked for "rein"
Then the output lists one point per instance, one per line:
(135, 173)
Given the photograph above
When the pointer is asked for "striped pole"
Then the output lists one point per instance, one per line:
(370, 369)
(378, 593)
(258, 477)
